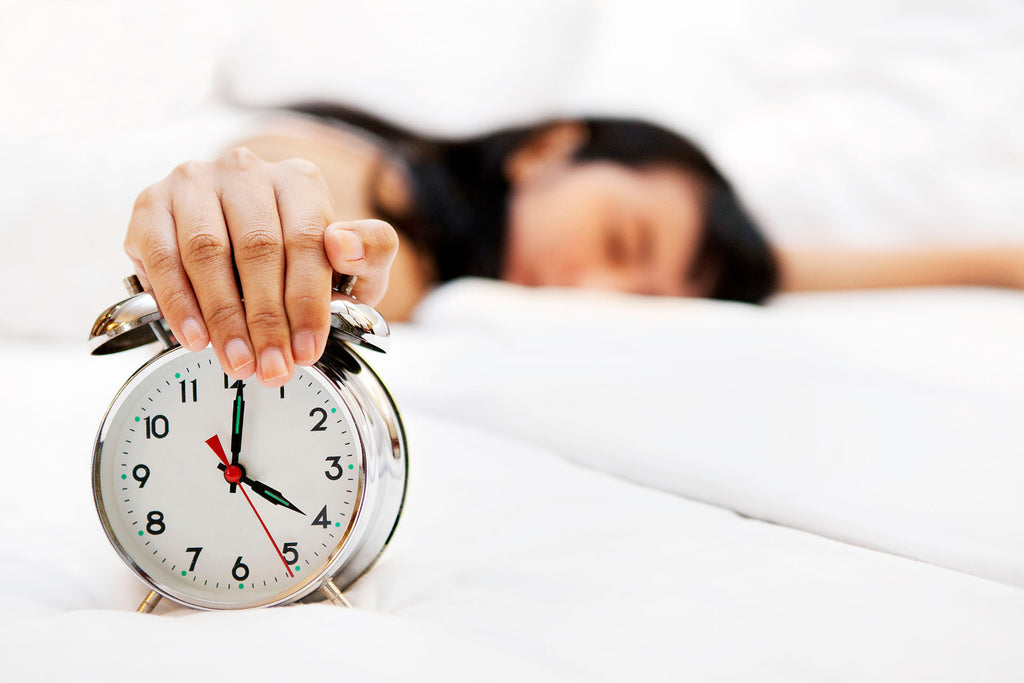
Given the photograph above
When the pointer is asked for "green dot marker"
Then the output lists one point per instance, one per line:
(337, 524)
(140, 533)
(184, 573)
(124, 476)
(137, 418)
(241, 586)
(351, 467)
(177, 375)
(297, 567)
(334, 410)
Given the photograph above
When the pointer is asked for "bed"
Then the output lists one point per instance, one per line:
(602, 487)
(594, 502)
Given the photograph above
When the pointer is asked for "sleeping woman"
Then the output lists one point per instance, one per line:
(616, 204)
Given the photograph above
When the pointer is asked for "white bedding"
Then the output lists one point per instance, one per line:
(577, 460)
(541, 543)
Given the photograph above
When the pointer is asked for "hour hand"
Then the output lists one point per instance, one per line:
(271, 494)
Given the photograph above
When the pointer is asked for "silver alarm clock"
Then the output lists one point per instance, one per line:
(224, 494)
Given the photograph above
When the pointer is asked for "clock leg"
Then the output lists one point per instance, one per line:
(149, 603)
(334, 595)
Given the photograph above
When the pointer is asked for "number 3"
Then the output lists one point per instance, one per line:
(337, 471)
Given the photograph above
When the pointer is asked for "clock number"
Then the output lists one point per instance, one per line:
(289, 548)
(195, 557)
(157, 426)
(184, 393)
(335, 466)
(282, 392)
(321, 519)
(155, 523)
(241, 570)
(140, 474)
(319, 426)
(228, 384)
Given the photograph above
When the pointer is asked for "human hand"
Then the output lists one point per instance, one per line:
(273, 222)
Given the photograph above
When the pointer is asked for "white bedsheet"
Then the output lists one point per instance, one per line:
(512, 562)
(886, 419)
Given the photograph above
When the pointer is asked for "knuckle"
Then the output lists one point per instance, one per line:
(239, 159)
(303, 168)
(307, 233)
(258, 243)
(188, 170)
(147, 199)
(161, 258)
(265, 323)
(222, 317)
(307, 305)
(203, 246)
(385, 237)
(176, 301)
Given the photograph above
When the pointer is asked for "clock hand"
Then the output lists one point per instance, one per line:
(237, 421)
(271, 494)
(276, 548)
(214, 443)
(235, 472)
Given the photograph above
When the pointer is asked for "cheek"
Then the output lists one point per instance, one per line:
(551, 231)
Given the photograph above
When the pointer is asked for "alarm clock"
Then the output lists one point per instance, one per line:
(225, 494)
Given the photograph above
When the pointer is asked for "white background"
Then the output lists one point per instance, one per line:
(871, 123)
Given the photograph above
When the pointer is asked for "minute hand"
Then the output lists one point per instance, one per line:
(237, 421)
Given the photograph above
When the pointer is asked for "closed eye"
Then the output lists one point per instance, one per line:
(615, 246)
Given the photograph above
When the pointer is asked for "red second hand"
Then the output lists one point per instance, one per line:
(214, 443)
(276, 549)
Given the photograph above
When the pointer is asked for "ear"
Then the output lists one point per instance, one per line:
(548, 149)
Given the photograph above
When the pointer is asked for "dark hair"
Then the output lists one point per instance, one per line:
(460, 196)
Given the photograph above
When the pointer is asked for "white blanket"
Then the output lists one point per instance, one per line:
(890, 420)
(512, 562)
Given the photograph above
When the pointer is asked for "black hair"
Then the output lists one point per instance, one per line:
(460, 195)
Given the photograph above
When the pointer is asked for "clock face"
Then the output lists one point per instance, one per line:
(227, 494)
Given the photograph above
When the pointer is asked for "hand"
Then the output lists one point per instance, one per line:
(273, 222)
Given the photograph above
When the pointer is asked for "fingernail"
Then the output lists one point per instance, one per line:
(238, 354)
(351, 245)
(193, 334)
(272, 365)
(304, 348)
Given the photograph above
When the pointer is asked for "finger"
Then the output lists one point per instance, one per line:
(206, 255)
(305, 209)
(152, 247)
(365, 249)
(250, 208)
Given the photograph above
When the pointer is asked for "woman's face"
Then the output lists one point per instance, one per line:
(605, 225)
